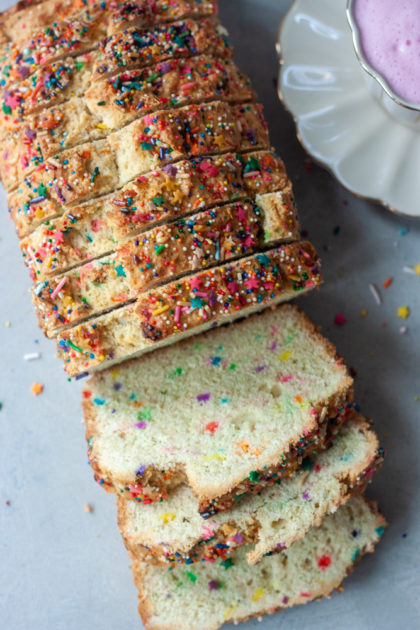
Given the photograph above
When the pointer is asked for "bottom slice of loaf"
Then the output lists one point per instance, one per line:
(211, 594)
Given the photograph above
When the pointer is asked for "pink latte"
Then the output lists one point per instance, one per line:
(390, 39)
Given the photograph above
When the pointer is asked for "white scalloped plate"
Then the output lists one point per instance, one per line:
(338, 120)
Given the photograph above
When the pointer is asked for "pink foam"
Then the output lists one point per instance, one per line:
(390, 39)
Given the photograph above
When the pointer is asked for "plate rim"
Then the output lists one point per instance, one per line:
(377, 200)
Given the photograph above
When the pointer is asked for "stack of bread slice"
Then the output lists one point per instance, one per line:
(225, 449)
(151, 208)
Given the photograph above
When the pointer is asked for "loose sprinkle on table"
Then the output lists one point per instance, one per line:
(387, 283)
(340, 319)
(37, 389)
(31, 356)
(403, 312)
(375, 294)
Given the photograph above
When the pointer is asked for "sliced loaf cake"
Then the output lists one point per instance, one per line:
(208, 595)
(227, 413)
(188, 306)
(32, 82)
(174, 532)
(164, 253)
(115, 102)
(152, 141)
(133, 107)
(96, 228)
(39, 14)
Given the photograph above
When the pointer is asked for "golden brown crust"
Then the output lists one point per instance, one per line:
(154, 141)
(57, 81)
(160, 255)
(45, 45)
(189, 305)
(27, 17)
(54, 30)
(110, 104)
(96, 228)
(134, 47)
(172, 83)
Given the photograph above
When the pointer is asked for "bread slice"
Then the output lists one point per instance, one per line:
(44, 45)
(227, 413)
(190, 305)
(49, 85)
(77, 30)
(66, 85)
(37, 15)
(154, 141)
(58, 81)
(173, 532)
(96, 228)
(136, 46)
(171, 83)
(140, 48)
(210, 594)
(164, 253)
(113, 103)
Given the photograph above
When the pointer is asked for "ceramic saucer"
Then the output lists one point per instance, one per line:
(338, 120)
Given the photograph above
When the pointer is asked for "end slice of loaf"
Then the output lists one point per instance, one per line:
(145, 38)
(29, 18)
(162, 254)
(95, 228)
(174, 532)
(190, 305)
(227, 413)
(210, 594)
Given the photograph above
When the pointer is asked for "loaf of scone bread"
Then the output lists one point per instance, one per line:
(140, 176)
